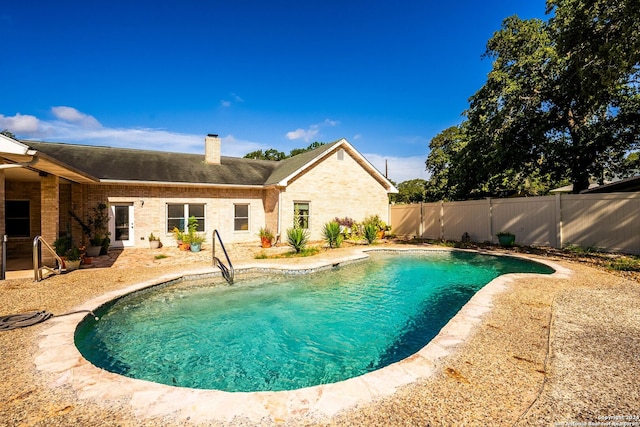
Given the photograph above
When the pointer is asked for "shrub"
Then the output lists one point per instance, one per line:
(370, 232)
(297, 238)
(331, 233)
(625, 264)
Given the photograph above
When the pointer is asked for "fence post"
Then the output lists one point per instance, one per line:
(442, 220)
(490, 219)
(559, 242)
(421, 227)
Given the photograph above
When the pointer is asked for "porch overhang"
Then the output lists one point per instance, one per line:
(41, 163)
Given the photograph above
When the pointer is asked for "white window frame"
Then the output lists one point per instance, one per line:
(248, 205)
(300, 202)
(185, 212)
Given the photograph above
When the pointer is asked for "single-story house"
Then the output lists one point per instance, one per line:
(44, 183)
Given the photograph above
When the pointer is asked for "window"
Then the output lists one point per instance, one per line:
(301, 214)
(178, 216)
(241, 217)
(17, 218)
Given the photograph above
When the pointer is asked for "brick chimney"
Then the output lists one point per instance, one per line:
(212, 149)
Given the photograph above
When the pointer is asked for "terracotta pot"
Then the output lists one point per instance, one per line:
(185, 246)
(266, 242)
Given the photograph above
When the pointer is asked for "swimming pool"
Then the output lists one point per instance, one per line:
(288, 332)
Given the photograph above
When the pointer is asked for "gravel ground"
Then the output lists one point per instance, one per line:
(549, 352)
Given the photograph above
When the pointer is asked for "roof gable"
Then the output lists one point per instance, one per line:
(295, 166)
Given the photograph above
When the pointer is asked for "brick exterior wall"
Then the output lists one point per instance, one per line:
(150, 209)
(50, 212)
(335, 188)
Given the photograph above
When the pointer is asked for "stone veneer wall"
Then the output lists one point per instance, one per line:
(335, 188)
(149, 206)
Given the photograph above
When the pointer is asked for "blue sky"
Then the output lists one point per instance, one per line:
(387, 76)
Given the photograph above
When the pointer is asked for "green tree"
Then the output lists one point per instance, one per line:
(444, 163)
(311, 146)
(411, 191)
(561, 101)
(9, 134)
(270, 154)
(273, 154)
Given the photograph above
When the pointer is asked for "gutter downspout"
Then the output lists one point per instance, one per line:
(279, 214)
(33, 161)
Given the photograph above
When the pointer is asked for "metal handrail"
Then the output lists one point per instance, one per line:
(227, 272)
(38, 242)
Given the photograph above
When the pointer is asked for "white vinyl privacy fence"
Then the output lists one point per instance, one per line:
(609, 222)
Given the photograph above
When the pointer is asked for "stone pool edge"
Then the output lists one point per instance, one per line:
(59, 356)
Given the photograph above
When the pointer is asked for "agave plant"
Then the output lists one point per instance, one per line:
(332, 235)
(297, 238)
(370, 232)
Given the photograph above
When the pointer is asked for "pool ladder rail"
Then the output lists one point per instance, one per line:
(227, 271)
(38, 268)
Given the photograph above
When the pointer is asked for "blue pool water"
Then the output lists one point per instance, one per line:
(288, 331)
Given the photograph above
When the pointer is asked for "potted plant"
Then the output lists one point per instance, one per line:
(193, 238)
(96, 229)
(61, 245)
(266, 237)
(154, 242)
(506, 239)
(178, 235)
(72, 259)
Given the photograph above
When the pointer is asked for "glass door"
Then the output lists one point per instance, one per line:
(122, 225)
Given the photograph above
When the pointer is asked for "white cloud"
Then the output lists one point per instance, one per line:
(74, 126)
(71, 115)
(306, 135)
(234, 98)
(233, 147)
(400, 168)
(311, 132)
(20, 124)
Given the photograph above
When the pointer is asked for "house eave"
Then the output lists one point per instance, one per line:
(181, 184)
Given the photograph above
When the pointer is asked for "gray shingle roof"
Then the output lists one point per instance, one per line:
(123, 164)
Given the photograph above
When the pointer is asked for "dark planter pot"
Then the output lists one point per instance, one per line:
(507, 240)
(93, 251)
